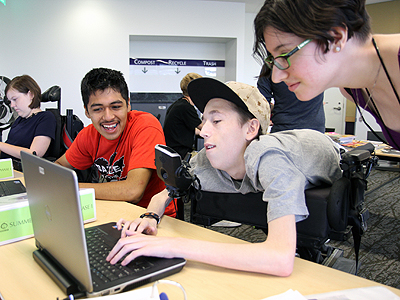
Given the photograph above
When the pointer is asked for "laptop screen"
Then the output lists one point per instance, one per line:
(53, 195)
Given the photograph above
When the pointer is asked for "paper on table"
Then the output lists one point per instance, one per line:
(149, 293)
(366, 293)
(288, 295)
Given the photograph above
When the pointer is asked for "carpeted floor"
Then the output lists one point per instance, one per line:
(380, 245)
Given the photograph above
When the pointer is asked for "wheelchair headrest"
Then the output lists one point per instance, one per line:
(52, 94)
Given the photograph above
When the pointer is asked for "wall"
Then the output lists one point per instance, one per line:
(178, 48)
(384, 19)
(58, 42)
(252, 67)
(381, 13)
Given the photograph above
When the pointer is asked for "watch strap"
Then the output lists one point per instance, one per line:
(151, 215)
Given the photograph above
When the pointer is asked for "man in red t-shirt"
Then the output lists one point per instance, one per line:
(119, 143)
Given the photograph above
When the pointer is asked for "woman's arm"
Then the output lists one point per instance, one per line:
(39, 145)
(275, 256)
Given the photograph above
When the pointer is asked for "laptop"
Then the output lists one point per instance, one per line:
(11, 187)
(61, 239)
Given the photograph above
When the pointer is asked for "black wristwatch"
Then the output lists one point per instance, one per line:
(151, 215)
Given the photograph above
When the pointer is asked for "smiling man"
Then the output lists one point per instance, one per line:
(119, 143)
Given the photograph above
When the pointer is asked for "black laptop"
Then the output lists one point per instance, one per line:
(11, 187)
(74, 256)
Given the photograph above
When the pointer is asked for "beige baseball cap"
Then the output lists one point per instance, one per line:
(245, 96)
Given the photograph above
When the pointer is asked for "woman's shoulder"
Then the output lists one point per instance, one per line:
(388, 44)
(45, 114)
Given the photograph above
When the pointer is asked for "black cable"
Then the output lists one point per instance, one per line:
(380, 118)
(384, 68)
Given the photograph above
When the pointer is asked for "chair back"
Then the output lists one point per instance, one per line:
(53, 94)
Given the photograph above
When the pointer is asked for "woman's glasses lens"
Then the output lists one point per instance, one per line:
(280, 62)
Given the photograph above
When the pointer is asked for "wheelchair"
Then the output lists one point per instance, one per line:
(336, 211)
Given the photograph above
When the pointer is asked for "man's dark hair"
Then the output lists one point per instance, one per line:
(101, 79)
(244, 116)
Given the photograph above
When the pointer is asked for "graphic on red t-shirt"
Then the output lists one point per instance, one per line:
(110, 172)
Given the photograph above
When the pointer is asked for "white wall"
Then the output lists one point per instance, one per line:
(58, 42)
(252, 67)
(167, 78)
(361, 130)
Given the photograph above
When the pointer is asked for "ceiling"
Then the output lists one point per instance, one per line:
(253, 6)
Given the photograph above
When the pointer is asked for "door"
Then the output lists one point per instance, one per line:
(335, 110)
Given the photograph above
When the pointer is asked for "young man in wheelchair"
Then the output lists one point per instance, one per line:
(239, 156)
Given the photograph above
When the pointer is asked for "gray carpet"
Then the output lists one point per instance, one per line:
(380, 245)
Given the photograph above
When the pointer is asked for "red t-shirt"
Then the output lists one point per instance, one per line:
(134, 149)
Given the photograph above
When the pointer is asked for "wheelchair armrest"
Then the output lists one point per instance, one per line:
(338, 204)
(328, 208)
(357, 155)
(243, 208)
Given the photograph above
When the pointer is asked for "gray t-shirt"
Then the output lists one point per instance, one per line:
(282, 165)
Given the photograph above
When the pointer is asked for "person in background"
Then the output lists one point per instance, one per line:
(288, 112)
(315, 45)
(182, 121)
(34, 129)
(239, 157)
(119, 143)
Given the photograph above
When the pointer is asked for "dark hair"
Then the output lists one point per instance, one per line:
(265, 71)
(311, 19)
(101, 79)
(244, 116)
(25, 84)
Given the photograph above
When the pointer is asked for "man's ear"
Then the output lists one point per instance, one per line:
(339, 35)
(252, 129)
(86, 112)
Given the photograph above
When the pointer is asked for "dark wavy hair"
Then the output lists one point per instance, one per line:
(100, 79)
(24, 84)
(244, 116)
(311, 19)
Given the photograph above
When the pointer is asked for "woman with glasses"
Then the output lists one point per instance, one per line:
(318, 44)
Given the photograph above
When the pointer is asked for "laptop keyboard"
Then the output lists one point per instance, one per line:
(14, 188)
(98, 249)
(4, 191)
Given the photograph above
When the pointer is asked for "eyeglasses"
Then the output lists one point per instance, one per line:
(282, 61)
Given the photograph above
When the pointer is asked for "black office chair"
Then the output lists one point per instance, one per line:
(67, 127)
(53, 94)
